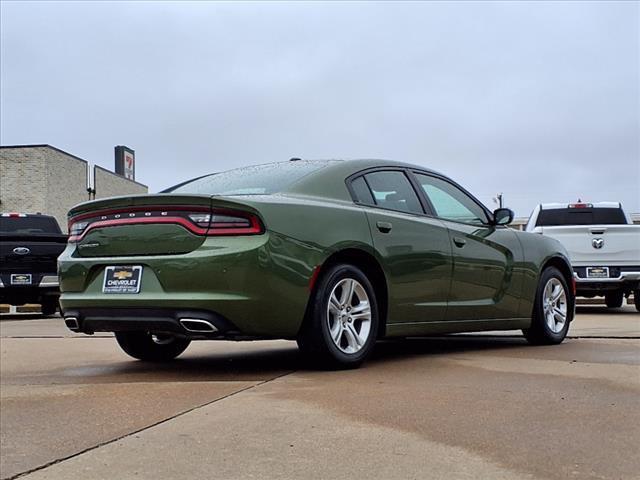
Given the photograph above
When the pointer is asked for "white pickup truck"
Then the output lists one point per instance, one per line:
(603, 244)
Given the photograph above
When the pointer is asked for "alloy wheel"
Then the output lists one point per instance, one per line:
(349, 316)
(554, 304)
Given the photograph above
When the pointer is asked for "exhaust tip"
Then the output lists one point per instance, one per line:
(71, 323)
(197, 325)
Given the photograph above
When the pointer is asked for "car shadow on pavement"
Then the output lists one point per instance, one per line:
(271, 362)
(388, 350)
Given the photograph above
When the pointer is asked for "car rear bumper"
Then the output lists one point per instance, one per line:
(46, 289)
(247, 280)
(187, 323)
(625, 280)
(617, 273)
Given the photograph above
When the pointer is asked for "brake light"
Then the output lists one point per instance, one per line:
(580, 205)
(198, 220)
(14, 215)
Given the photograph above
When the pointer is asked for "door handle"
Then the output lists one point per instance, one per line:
(384, 227)
(460, 242)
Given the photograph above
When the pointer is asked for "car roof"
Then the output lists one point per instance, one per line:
(328, 182)
(358, 164)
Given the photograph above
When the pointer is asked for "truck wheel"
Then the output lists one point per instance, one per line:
(150, 347)
(552, 310)
(341, 326)
(613, 299)
(636, 299)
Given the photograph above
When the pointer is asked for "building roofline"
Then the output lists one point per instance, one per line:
(117, 175)
(41, 145)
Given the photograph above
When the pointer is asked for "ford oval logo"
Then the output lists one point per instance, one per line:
(21, 251)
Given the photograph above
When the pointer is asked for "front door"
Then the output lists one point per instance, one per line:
(485, 283)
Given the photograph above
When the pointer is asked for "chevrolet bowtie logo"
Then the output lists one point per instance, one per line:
(122, 275)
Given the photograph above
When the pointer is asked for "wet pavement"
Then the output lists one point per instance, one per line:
(465, 406)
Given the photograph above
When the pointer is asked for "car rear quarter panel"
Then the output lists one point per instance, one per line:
(302, 234)
(539, 251)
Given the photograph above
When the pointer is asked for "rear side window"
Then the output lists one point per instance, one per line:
(580, 216)
(362, 192)
(29, 225)
(392, 190)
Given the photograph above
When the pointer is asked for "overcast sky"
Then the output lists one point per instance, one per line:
(538, 100)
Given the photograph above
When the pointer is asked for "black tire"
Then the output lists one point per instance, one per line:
(540, 332)
(315, 338)
(49, 307)
(151, 348)
(614, 299)
(636, 299)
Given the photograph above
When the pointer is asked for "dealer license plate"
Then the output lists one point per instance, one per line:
(20, 279)
(597, 272)
(122, 279)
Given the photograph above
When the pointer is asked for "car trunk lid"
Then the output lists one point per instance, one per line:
(154, 224)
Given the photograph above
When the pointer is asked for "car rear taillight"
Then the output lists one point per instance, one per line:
(197, 220)
(231, 223)
(227, 223)
(77, 228)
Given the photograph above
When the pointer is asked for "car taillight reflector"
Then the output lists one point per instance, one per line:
(580, 205)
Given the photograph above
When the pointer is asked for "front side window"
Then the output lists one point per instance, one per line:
(451, 203)
(392, 190)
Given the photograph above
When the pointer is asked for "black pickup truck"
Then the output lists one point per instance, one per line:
(29, 249)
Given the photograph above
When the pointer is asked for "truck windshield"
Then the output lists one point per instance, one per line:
(581, 216)
(29, 225)
(254, 180)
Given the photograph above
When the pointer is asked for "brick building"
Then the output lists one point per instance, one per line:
(45, 179)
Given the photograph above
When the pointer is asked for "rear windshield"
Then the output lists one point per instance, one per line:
(254, 180)
(581, 216)
(29, 225)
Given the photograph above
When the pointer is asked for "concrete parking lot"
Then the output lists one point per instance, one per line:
(465, 406)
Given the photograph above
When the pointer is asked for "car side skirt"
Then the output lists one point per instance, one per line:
(456, 326)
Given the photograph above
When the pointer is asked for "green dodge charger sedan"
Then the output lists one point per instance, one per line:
(334, 254)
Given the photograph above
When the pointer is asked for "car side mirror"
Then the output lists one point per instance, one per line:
(502, 216)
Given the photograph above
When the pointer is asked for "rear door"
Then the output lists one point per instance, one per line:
(485, 283)
(415, 247)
